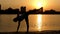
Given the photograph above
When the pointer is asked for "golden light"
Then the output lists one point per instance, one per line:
(39, 22)
(37, 4)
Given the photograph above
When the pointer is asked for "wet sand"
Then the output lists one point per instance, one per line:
(42, 32)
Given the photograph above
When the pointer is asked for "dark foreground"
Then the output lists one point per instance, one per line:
(42, 32)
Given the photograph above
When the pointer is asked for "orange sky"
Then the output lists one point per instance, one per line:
(47, 4)
(31, 4)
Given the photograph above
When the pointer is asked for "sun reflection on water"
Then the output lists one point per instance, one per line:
(39, 22)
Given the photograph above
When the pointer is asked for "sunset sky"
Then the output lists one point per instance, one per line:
(45, 22)
(31, 4)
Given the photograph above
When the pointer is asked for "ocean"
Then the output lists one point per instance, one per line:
(48, 22)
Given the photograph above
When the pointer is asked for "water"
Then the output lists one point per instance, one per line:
(49, 22)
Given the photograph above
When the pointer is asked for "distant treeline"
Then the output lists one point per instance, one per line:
(23, 9)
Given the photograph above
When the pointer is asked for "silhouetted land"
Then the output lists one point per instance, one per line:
(34, 11)
(41, 32)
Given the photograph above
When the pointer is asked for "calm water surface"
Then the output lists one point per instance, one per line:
(49, 22)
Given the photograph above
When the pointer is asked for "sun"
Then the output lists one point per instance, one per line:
(38, 5)
(39, 22)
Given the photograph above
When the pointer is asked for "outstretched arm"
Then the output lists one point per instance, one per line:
(35, 11)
